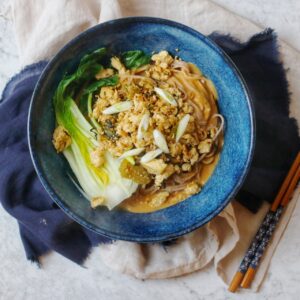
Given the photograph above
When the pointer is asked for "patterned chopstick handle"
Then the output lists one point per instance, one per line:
(267, 237)
(256, 242)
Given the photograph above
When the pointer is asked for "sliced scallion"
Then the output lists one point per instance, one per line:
(151, 155)
(182, 125)
(132, 152)
(165, 95)
(143, 126)
(117, 108)
(160, 141)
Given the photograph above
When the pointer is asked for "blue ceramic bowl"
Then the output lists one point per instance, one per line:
(148, 34)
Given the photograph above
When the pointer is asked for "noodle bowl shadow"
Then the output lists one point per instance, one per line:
(148, 34)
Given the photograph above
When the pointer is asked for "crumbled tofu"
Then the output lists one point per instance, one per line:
(104, 73)
(97, 201)
(97, 157)
(163, 116)
(192, 188)
(106, 92)
(99, 106)
(170, 169)
(161, 69)
(155, 166)
(116, 63)
(107, 97)
(213, 131)
(186, 167)
(120, 131)
(194, 156)
(109, 94)
(159, 72)
(205, 146)
(61, 139)
(163, 58)
(176, 149)
(177, 169)
(158, 199)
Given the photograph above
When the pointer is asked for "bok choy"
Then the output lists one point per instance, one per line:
(106, 180)
(135, 59)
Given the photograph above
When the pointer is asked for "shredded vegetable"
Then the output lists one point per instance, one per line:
(118, 107)
(160, 141)
(165, 95)
(182, 125)
(132, 152)
(143, 126)
(151, 155)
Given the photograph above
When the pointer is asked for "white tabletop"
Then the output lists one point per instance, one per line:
(61, 279)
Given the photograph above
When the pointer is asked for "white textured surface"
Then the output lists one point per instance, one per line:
(61, 279)
(8, 52)
(283, 16)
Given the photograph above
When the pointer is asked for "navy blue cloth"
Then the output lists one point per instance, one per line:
(44, 227)
(277, 141)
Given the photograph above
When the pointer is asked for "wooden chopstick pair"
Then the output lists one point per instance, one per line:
(250, 262)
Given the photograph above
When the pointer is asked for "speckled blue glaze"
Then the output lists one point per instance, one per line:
(148, 34)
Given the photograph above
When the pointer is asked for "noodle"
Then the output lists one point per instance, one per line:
(139, 77)
(186, 75)
(194, 89)
(190, 89)
(221, 127)
(163, 93)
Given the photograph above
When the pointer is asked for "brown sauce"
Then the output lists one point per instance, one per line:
(143, 204)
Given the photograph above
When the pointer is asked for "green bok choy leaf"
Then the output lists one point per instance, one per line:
(135, 59)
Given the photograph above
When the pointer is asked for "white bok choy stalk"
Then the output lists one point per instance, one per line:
(105, 181)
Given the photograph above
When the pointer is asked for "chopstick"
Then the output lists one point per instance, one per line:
(260, 238)
(249, 276)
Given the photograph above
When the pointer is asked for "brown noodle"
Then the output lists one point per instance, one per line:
(190, 81)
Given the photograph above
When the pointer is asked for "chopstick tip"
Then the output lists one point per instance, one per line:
(235, 283)
(248, 278)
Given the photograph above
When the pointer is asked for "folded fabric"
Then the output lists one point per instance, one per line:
(277, 139)
(43, 226)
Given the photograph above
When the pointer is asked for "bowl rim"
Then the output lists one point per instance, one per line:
(174, 234)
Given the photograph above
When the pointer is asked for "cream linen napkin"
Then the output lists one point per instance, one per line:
(43, 27)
